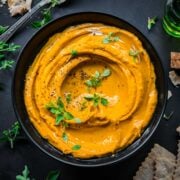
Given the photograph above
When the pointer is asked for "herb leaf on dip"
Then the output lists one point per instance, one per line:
(96, 99)
(110, 38)
(76, 147)
(97, 77)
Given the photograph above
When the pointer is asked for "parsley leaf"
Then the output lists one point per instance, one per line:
(104, 101)
(97, 77)
(11, 47)
(76, 147)
(5, 47)
(151, 22)
(6, 64)
(47, 16)
(96, 99)
(3, 29)
(10, 135)
(46, 13)
(110, 38)
(64, 137)
(53, 175)
(60, 113)
(25, 174)
(74, 53)
(134, 53)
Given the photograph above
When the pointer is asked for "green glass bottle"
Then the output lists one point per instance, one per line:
(171, 19)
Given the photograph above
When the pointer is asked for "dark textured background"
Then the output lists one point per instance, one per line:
(135, 12)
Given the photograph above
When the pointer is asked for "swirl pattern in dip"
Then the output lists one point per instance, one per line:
(64, 65)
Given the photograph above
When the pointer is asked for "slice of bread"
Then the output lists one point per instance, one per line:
(19, 6)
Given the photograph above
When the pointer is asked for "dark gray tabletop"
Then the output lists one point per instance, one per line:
(25, 152)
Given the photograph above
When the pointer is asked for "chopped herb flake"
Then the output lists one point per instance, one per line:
(74, 53)
(110, 38)
(151, 22)
(76, 147)
(65, 137)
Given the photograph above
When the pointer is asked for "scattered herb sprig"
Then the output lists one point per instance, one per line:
(151, 22)
(64, 137)
(4, 48)
(134, 53)
(74, 53)
(110, 38)
(3, 29)
(96, 99)
(96, 78)
(53, 175)
(76, 147)
(46, 14)
(60, 113)
(24, 175)
(167, 117)
(11, 135)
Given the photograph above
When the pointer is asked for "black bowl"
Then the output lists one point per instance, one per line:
(26, 58)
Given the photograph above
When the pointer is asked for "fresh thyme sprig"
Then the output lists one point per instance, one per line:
(46, 14)
(11, 135)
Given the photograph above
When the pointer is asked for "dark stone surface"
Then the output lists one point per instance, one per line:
(135, 12)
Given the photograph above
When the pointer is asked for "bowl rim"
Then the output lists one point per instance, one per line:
(138, 147)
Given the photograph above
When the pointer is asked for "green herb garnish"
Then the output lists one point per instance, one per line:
(64, 137)
(68, 98)
(25, 174)
(134, 53)
(47, 16)
(167, 117)
(6, 64)
(104, 101)
(10, 135)
(96, 99)
(76, 147)
(5, 47)
(151, 22)
(3, 29)
(74, 53)
(110, 38)
(53, 175)
(60, 113)
(96, 78)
